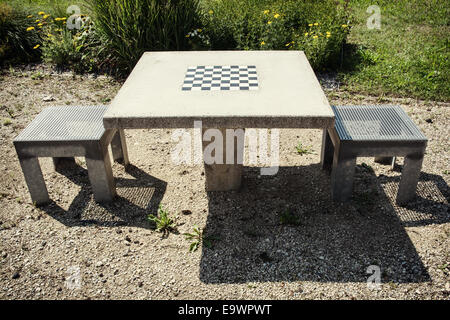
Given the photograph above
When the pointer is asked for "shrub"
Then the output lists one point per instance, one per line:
(132, 27)
(16, 43)
(318, 28)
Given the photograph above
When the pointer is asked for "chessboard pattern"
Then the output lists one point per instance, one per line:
(218, 78)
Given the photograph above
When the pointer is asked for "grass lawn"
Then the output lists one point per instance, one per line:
(408, 56)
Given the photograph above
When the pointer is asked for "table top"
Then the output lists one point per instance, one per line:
(223, 89)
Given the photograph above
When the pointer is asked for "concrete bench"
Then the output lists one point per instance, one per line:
(381, 131)
(66, 132)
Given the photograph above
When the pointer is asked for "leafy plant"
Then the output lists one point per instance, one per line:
(163, 222)
(301, 149)
(131, 27)
(16, 43)
(197, 238)
(317, 28)
(287, 217)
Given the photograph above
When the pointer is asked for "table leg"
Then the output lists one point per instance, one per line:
(223, 158)
(119, 148)
(326, 156)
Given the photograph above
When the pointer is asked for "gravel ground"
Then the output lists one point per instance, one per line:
(119, 255)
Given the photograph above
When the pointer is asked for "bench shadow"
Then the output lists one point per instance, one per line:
(136, 198)
(332, 243)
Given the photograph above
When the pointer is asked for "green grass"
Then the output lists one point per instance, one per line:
(409, 56)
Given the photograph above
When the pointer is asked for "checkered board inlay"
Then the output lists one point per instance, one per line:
(216, 78)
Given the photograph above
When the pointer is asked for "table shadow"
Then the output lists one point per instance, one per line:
(332, 243)
(136, 198)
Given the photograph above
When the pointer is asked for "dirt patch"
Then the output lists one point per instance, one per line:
(117, 253)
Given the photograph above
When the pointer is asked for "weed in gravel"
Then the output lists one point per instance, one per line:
(301, 149)
(163, 222)
(37, 76)
(7, 122)
(288, 218)
(367, 167)
(197, 238)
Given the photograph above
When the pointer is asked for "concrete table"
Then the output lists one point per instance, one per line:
(223, 89)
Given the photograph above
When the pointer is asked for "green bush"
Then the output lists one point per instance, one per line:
(16, 43)
(77, 49)
(317, 27)
(132, 27)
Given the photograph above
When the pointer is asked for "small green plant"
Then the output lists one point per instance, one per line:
(7, 122)
(301, 149)
(163, 222)
(198, 238)
(366, 167)
(37, 75)
(287, 217)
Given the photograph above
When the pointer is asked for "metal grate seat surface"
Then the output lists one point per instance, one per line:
(65, 123)
(375, 123)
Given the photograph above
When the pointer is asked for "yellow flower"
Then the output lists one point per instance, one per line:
(30, 16)
(310, 24)
(316, 24)
(41, 13)
(38, 20)
(344, 26)
(58, 30)
(49, 35)
(262, 43)
(266, 11)
(287, 44)
(46, 16)
(40, 24)
(328, 32)
(210, 12)
(188, 35)
(269, 22)
(276, 16)
(36, 46)
(306, 34)
(315, 37)
(30, 28)
(199, 30)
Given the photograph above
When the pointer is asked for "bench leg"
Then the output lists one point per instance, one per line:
(342, 174)
(386, 160)
(100, 173)
(119, 148)
(35, 180)
(326, 157)
(409, 178)
(61, 163)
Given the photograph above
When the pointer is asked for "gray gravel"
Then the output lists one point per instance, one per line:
(119, 254)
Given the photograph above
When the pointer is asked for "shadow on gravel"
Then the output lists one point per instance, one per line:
(136, 198)
(327, 242)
